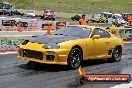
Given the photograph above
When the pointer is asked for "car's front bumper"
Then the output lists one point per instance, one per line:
(44, 55)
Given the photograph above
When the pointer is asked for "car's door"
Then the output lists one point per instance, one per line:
(101, 44)
(109, 45)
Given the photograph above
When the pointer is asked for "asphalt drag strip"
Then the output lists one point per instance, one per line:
(15, 73)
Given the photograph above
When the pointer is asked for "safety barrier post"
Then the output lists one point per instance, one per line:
(49, 28)
(18, 27)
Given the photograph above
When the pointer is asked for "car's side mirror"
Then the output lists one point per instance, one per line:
(96, 37)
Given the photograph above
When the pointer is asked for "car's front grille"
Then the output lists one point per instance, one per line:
(33, 54)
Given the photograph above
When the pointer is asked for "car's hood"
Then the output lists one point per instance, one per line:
(52, 39)
(30, 13)
(123, 21)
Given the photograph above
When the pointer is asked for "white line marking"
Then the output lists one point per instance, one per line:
(4, 53)
(127, 42)
(126, 85)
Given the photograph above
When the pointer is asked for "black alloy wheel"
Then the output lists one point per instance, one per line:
(75, 58)
(116, 56)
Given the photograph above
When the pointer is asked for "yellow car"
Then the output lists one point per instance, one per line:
(72, 45)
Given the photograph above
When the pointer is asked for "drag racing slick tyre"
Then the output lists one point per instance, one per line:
(116, 55)
(75, 58)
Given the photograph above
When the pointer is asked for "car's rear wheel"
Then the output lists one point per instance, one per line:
(116, 56)
(75, 58)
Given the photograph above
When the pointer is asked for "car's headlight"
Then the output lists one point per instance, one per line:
(51, 46)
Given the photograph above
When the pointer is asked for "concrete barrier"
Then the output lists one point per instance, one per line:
(11, 24)
(92, 24)
(9, 41)
(100, 24)
(10, 44)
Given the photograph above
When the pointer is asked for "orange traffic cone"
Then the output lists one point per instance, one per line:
(81, 71)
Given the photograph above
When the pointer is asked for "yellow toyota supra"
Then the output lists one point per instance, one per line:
(72, 45)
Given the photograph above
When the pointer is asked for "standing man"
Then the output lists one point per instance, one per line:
(83, 20)
(130, 20)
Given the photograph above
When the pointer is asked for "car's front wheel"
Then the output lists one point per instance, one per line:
(116, 56)
(75, 58)
(32, 64)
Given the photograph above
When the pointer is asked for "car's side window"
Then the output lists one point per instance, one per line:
(95, 32)
(105, 34)
(100, 32)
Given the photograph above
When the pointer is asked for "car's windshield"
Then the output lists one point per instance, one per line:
(5, 6)
(74, 31)
(118, 17)
(1, 6)
(31, 11)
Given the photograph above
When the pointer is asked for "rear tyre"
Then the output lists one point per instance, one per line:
(75, 58)
(116, 56)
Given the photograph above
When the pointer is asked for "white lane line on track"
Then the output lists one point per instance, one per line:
(4, 53)
(127, 42)
(126, 85)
